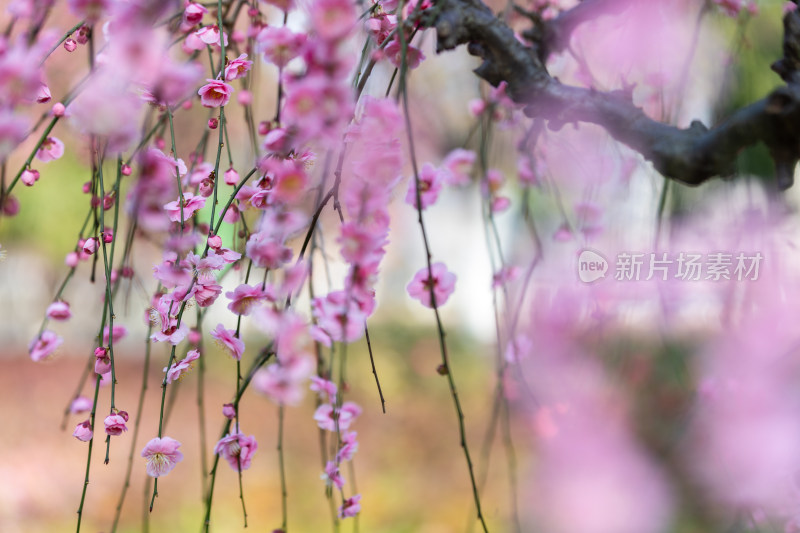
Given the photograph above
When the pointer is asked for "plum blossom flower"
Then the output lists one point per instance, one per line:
(351, 507)
(349, 446)
(325, 415)
(237, 68)
(115, 424)
(102, 363)
(332, 476)
(237, 449)
(44, 345)
(177, 370)
(81, 404)
(59, 311)
(326, 389)
(83, 431)
(457, 166)
(119, 333)
(29, 176)
(441, 280)
(162, 455)
(192, 15)
(51, 149)
(210, 35)
(339, 318)
(226, 339)
(215, 93)
(333, 19)
(244, 297)
(229, 411)
(283, 382)
(191, 204)
(280, 44)
(430, 184)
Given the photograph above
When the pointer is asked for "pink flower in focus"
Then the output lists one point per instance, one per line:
(237, 68)
(430, 183)
(226, 339)
(102, 362)
(162, 455)
(191, 204)
(215, 93)
(237, 449)
(351, 507)
(443, 283)
(115, 424)
(50, 150)
(177, 370)
(83, 431)
(43, 346)
(206, 292)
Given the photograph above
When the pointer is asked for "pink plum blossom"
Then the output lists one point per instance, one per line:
(326, 414)
(215, 93)
(29, 177)
(119, 333)
(83, 431)
(191, 204)
(192, 15)
(237, 68)
(102, 362)
(51, 149)
(457, 166)
(81, 404)
(339, 318)
(43, 346)
(284, 382)
(349, 446)
(333, 19)
(441, 281)
(229, 411)
(237, 449)
(332, 476)
(177, 370)
(280, 44)
(227, 340)
(326, 389)
(209, 35)
(115, 424)
(162, 455)
(231, 176)
(244, 297)
(430, 184)
(351, 507)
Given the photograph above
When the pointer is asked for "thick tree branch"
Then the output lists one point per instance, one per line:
(691, 156)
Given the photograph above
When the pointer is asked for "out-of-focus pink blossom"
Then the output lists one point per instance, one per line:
(332, 476)
(351, 507)
(333, 19)
(81, 404)
(29, 176)
(280, 45)
(191, 204)
(43, 346)
(284, 382)
(229, 411)
(442, 282)
(59, 311)
(119, 333)
(430, 184)
(326, 416)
